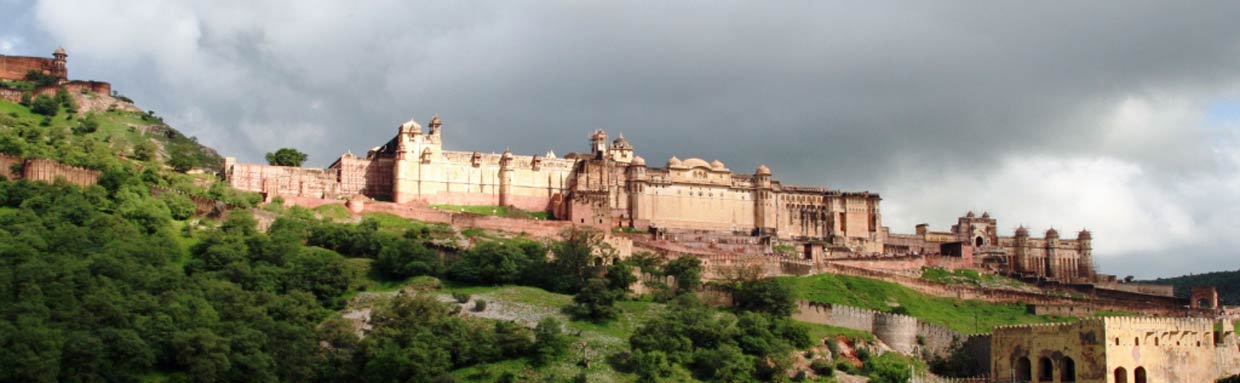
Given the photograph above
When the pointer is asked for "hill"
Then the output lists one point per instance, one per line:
(1227, 283)
(96, 131)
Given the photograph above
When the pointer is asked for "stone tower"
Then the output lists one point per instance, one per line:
(1051, 267)
(505, 178)
(598, 144)
(762, 201)
(1085, 264)
(408, 138)
(59, 60)
(1021, 261)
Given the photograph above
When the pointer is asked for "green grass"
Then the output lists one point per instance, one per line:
(602, 339)
(332, 211)
(395, 223)
(968, 316)
(502, 211)
(122, 130)
(966, 277)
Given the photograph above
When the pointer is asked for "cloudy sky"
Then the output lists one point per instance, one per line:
(1120, 117)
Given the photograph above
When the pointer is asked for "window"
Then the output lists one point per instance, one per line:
(1121, 375)
(1138, 375)
(1136, 341)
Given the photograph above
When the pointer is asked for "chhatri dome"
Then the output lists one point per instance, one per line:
(673, 162)
(763, 171)
(639, 161)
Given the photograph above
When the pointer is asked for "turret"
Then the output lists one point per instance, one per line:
(435, 123)
(404, 167)
(598, 144)
(621, 150)
(505, 178)
(59, 61)
(762, 201)
(1021, 261)
(1052, 263)
(1085, 264)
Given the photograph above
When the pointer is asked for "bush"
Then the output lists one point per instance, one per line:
(596, 302)
(480, 305)
(460, 297)
(822, 367)
(90, 124)
(549, 341)
(44, 105)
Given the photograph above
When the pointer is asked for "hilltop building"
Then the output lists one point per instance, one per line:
(612, 186)
(16, 68)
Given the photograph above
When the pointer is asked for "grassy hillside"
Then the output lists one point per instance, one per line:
(1227, 282)
(968, 316)
(94, 139)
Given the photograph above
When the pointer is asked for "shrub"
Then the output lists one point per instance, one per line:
(44, 105)
(549, 341)
(460, 297)
(595, 302)
(480, 305)
(822, 367)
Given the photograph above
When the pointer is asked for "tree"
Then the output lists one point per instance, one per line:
(182, 160)
(286, 157)
(596, 302)
(26, 99)
(143, 151)
(687, 271)
(765, 296)
(44, 105)
(89, 124)
(492, 262)
(405, 258)
(549, 341)
(620, 276)
(578, 257)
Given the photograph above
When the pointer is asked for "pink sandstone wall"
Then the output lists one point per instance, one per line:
(7, 163)
(15, 67)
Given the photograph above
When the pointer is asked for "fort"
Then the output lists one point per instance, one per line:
(17, 68)
(612, 186)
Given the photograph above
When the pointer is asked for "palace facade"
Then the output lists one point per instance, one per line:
(612, 186)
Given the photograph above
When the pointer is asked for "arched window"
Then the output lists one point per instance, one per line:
(1046, 370)
(1155, 340)
(978, 242)
(1067, 370)
(1138, 375)
(1136, 341)
(1024, 371)
(1117, 341)
(1121, 375)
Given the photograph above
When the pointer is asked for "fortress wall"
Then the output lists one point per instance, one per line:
(7, 164)
(1140, 288)
(15, 67)
(38, 169)
(454, 180)
(897, 331)
(938, 340)
(283, 180)
(372, 178)
(900, 332)
(701, 207)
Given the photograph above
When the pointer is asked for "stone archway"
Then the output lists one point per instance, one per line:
(1022, 369)
(1067, 370)
(979, 241)
(1138, 375)
(1121, 375)
(1046, 370)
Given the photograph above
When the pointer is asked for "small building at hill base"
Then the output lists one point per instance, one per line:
(1116, 350)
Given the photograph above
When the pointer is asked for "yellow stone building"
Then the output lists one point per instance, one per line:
(1116, 350)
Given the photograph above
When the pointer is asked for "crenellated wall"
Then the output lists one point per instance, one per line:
(38, 169)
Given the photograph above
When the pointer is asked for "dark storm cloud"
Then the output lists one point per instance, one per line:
(940, 106)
